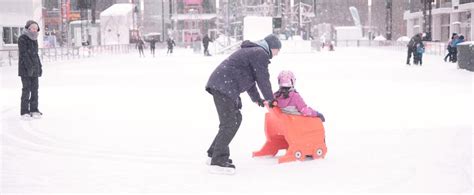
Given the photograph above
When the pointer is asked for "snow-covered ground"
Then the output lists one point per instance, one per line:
(120, 124)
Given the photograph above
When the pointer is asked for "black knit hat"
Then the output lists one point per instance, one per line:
(30, 22)
(273, 41)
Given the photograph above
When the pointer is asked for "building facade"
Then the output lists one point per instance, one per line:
(194, 18)
(157, 18)
(13, 17)
(448, 16)
(374, 18)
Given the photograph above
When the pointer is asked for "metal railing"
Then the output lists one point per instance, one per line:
(9, 57)
(433, 48)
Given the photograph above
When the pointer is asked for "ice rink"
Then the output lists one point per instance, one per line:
(124, 124)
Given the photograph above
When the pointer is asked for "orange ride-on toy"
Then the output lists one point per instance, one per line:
(301, 136)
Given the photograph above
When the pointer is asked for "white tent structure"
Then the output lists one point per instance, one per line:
(257, 27)
(380, 38)
(116, 23)
(403, 39)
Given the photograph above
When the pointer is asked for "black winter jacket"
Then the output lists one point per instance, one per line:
(243, 71)
(29, 64)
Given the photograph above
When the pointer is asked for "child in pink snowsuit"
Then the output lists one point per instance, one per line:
(290, 101)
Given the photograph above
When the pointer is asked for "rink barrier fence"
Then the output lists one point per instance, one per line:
(432, 48)
(9, 57)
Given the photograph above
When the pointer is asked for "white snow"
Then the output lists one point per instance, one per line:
(124, 124)
(467, 43)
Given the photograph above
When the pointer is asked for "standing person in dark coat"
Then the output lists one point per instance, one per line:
(241, 72)
(205, 43)
(412, 46)
(152, 47)
(29, 69)
(454, 46)
(450, 48)
(171, 44)
(140, 45)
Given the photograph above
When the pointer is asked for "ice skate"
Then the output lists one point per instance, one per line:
(36, 115)
(222, 168)
(209, 159)
(26, 117)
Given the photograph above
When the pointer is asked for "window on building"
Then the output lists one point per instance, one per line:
(445, 26)
(11, 34)
(15, 34)
(73, 5)
(465, 1)
(442, 3)
(49, 5)
(7, 35)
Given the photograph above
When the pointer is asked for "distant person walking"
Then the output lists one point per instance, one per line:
(171, 45)
(205, 43)
(451, 48)
(140, 45)
(29, 69)
(152, 47)
(411, 46)
(455, 44)
(418, 57)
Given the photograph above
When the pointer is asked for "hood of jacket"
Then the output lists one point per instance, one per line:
(261, 43)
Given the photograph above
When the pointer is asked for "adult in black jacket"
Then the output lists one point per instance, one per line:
(171, 45)
(412, 45)
(152, 47)
(205, 44)
(29, 69)
(241, 72)
(450, 49)
(140, 45)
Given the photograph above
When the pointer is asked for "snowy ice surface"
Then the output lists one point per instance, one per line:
(124, 124)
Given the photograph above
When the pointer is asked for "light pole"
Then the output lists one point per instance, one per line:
(163, 19)
(427, 19)
(370, 19)
(388, 19)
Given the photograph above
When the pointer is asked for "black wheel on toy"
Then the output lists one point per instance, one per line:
(298, 155)
(319, 152)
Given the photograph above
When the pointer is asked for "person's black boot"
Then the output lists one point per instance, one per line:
(222, 168)
(209, 159)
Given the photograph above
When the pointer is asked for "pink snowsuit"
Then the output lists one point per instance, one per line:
(294, 104)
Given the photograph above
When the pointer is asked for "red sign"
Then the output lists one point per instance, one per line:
(68, 8)
(193, 2)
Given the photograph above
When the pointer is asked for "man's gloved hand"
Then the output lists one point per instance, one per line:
(321, 116)
(260, 103)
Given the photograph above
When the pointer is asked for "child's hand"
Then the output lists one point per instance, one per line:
(272, 103)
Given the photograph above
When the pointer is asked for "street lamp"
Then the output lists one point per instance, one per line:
(427, 18)
(370, 19)
(388, 19)
(163, 19)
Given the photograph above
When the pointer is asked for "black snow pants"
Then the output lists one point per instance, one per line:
(229, 119)
(411, 51)
(29, 95)
(206, 50)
